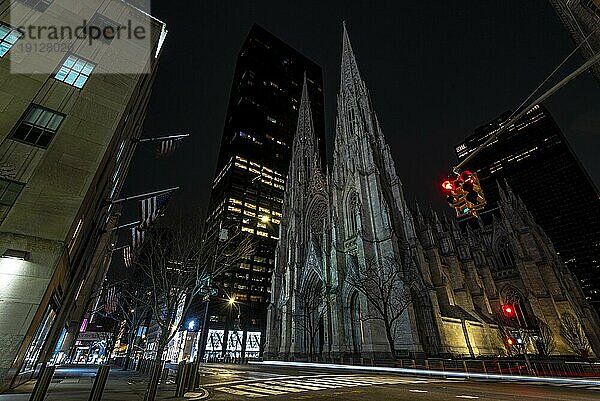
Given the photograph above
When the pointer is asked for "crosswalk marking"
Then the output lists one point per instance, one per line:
(305, 386)
(258, 389)
(279, 387)
(240, 392)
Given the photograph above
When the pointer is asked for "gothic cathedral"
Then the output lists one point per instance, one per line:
(359, 273)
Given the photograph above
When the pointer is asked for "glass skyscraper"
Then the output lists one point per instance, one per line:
(537, 162)
(249, 183)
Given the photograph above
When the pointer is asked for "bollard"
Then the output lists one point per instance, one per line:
(182, 375)
(99, 383)
(42, 383)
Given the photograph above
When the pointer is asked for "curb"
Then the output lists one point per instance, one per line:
(422, 372)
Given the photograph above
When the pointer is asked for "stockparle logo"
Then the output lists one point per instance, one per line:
(114, 35)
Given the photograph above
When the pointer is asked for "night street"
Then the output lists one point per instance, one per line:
(329, 200)
(243, 382)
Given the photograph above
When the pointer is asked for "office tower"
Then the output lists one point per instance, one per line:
(65, 148)
(581, 18)
(536, 160)
(250, 179)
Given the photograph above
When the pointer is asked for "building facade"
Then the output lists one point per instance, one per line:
(66, 141)
(535, 158)
(354, 222)
(249, 183)
(581, 18)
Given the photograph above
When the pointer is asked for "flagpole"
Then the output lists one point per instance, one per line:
(119, 248)
(143, 195)
(163, 138)
(133, 224)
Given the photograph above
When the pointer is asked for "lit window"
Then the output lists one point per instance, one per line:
(262, 209)
(250, 205)
(234, 209)
(252, 170)
(38, 127)
(255, 164)
(261, 225)
(235, 201)
(248, 230)
(241, 166)
(8, 37)
(249, 213)
(9, 191)
(276, 221)
(271, 120)
(262, 233)
(74, 71)
(276, 213)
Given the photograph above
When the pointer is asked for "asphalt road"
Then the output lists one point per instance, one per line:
(247, 382)
(277, 383)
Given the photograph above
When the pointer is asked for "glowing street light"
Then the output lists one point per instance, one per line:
(231, 301)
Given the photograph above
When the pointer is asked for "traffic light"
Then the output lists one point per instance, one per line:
(448, 188)
(509, 310)
(464, 194)
(510, 341)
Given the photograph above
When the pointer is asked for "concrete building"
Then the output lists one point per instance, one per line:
(354, 222)
(66, 141)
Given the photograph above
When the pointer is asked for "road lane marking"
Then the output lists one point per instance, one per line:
(467, 396)
(412, 390)
(260, 390)
(280, 387)
(240, 392)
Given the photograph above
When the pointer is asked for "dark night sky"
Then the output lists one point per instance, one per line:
(435, 69)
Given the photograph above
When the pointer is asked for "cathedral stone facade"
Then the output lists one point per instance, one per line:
(353, 219)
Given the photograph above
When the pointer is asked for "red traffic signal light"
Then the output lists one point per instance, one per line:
(448, 185)
(508, 310)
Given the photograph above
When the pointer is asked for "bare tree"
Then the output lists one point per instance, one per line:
(543, 339)
(134, 306)
(388, 288)
(177, 264)
(573, 333)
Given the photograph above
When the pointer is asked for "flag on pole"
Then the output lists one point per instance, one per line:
(152, 208)
(167, 146)
(127, 257)
(137, 237)
(111, 300)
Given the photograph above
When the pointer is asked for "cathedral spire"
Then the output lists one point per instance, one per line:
(350, 80)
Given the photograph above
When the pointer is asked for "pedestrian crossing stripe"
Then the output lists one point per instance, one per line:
(240, 392)
(258, 389)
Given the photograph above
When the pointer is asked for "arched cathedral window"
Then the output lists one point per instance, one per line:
(352, 215)
(504, 260)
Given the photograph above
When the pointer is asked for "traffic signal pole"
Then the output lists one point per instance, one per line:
(524, 111)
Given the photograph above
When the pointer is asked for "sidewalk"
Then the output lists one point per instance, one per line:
(75, 383)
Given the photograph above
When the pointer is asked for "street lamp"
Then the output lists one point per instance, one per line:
(231, 301)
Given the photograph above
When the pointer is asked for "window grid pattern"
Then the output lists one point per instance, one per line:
(38, 127)
(8, 37)
(74, 71)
